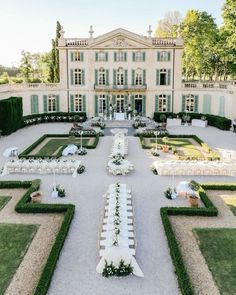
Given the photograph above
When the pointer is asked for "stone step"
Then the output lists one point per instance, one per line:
(118, 123)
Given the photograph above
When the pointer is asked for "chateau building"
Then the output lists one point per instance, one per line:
(122, 71)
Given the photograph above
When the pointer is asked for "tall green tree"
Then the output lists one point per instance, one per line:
(200, 34)
(169, 26)
(26, 68)
(54, 75)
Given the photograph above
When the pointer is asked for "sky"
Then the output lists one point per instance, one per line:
(30, 24)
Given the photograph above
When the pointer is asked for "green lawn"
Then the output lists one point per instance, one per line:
(183, 146)
(231, 202)
(14, 242)
(218, 246)
(4, 201)
(56, 145)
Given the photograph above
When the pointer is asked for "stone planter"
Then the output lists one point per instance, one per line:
(193, 201)
(36, 197)
(165, 148)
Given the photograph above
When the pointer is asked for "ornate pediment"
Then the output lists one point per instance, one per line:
(121, 39)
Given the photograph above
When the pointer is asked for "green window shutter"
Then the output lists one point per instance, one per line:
(96, 56)
(126, 77)
(107, 77)
(115, 56)
(144, 56)
(125, 56)
(183, 108)
(222, 106)
(113, 100)
(196, 103)
(144, 105)
(72, 56)
(168, 77)
(32, 104)
(36, 104)
(72, 77)
(114, 77)
(133, 77)
(132, 102)
(156, 103)
(96, 77)
(72, 109)
(84, 103)
(57, 103)
(107, 102)
(133, 56)
(168, 103)
(81, 56)
(144, 77)
(169, 55)
(126, 100)
(158, 56)
(157, 77)
(206, 104)
(106, 56)
(45, 104)
(96, 105)
(83, 77)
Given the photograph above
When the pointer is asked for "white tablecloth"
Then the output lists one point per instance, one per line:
(122, 169)
(173, 122)
(10, 152)
(119, 116)
(199, 123)
(71, 149)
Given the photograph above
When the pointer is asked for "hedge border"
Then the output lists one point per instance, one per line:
(204, 145)
(25, 153)
(175, 252)
(23, 206)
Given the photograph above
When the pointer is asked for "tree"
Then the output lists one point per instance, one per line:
(169, 25)
(200, 35)
(26, 68)
(54, 75)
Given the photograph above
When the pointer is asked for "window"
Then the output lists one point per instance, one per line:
(120, 56)
(77, 56)
(138, 56)
(163, 77)
(138, 77)
(101, 56)
(162, 103)
(190, 102)
(102, 106)
(163, 55)
(78, 77)
(51, 103)
(120, 103)
(120, 77)
(78, 103)
(101, 77)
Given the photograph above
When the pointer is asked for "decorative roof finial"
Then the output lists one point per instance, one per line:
(91, 31)
(149, 31)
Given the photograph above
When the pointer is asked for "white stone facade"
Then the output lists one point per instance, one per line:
(122, 70)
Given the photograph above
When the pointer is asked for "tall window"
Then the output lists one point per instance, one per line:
(138, 56)
(163, 77)
(101, 77)
(78, 77)
(77, 56)
(51, 103)
(101, 56)
(138, 77)
(120, 56)
(163, 56)
(102, 106)
(78, 103)
(190, 102)
(162, 103)
(120, 102)
(120, 77)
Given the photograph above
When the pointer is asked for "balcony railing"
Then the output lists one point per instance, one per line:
(113, 87)
(206, 85)
(77, 42)
(28, 86)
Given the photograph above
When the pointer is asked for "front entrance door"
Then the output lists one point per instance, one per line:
(120, 104)
(138, 106)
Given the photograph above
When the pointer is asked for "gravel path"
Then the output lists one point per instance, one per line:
(75, 272)
(200, 275)
(27, 275)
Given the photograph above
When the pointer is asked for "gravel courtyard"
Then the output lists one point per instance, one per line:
(75, 272)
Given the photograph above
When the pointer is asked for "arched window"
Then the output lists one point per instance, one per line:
(162, 103)
(138, 77)
(51, 103)
(101, 77)
(120, 76)
(190, 102)
(78, 103)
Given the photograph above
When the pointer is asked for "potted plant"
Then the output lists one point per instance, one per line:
(36, 197)
(193, 199)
